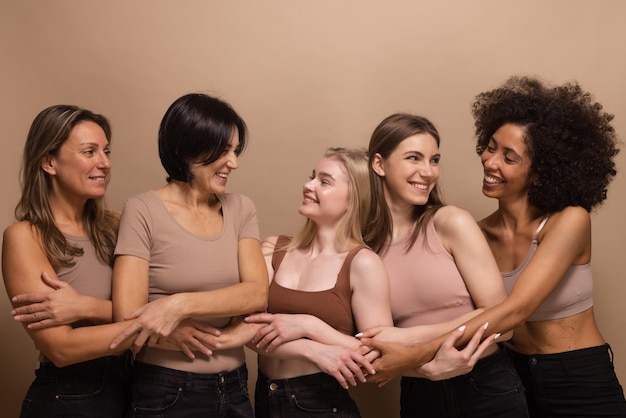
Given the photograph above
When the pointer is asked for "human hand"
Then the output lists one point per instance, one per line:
(369, 353)
(344, 364)
(238, 333)
(192, 335)
(61, 306)
(153, 321)
(450, 361)
(394, 359)
(277, 329)
(384, 333)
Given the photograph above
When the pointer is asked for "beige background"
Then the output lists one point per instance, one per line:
(305, 75)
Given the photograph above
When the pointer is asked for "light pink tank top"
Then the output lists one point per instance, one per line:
(426, 286)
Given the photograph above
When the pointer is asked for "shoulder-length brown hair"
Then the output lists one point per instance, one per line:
(50, 129)
(386, 137)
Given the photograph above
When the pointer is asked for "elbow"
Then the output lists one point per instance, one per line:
(59, 358)
(61, 355)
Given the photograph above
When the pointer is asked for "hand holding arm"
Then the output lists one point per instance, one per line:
(451, 362)
(280, 328)
(61, 306)
(192, 335)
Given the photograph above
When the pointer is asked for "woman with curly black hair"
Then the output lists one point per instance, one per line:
(547, 154)
(548, 157)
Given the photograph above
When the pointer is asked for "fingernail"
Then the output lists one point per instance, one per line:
(486, 325)
(462, 328)
(495, 337)
(360, 334)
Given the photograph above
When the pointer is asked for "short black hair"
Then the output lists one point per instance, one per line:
(197, 128)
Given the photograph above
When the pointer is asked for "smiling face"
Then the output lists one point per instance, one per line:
(410, 172)
(326, 195)
(506, 164)
(81, 167)
(213, 177)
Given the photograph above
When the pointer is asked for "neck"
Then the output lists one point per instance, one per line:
(183, 194)
(402, 220)
(68, 215)
(326, 241)
(517, 214)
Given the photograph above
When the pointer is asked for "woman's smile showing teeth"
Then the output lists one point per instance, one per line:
(419, 186)
(492, 180)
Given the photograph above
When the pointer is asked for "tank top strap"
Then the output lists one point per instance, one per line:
(279, 254)
(343, 278)
(540, 227)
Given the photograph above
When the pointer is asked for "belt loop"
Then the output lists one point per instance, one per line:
(610, 353)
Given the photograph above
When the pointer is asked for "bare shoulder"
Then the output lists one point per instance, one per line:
(270, 242)
(365, 261)
(268, 245)
(20, 231)
(570, 218)
(451, 219)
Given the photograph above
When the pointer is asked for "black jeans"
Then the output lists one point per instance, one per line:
(316, 395)
(491, 389)
(163, 392)
(578, 383)
(92, 389)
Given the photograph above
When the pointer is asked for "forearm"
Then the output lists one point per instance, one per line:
(301, 349)
(65, 345)
(99, 311)
(424, 333)
(320, 331)
(239, 299)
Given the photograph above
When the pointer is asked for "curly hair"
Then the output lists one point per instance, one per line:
(570, 140)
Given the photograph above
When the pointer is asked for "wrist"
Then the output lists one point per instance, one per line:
(180, 308)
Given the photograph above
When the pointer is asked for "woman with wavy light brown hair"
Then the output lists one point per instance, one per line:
(65, 230)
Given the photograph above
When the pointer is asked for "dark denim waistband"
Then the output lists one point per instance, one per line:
(190, 380)
(573, 355)
(113, 365)
(286, 386)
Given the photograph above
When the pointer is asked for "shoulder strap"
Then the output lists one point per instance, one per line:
(279, 251)
(343, 278)
(540, 227)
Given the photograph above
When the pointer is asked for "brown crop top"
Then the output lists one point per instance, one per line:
(332, 306)
(573, 294)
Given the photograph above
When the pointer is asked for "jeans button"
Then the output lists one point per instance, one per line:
(533, 361)
(273, 386)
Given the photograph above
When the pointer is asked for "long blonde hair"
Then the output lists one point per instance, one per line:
(48, 132)
(351, 226)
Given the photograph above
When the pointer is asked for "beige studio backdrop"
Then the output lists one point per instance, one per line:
(304, 75)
